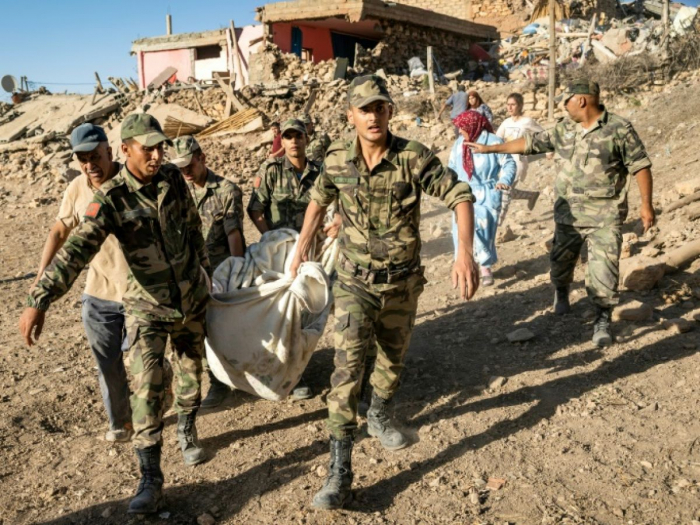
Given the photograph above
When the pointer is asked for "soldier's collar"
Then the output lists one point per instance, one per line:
(211, 180)
(391, 154)
(131, 182)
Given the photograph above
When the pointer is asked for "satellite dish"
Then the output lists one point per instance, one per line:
(9, 83)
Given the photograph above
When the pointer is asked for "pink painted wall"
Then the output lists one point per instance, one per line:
(245, 35)
(318, 39)
(156, 61)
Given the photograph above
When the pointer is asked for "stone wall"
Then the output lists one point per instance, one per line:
(475, 9)
(456, 8)
(404, 41)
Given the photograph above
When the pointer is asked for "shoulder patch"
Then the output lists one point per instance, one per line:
(93, 209)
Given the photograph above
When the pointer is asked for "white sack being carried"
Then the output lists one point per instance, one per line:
(262, 325)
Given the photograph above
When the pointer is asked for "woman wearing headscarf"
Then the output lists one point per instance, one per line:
(488, 176)
(475, 103)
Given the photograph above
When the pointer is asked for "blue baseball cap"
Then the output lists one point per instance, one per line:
(87, 137)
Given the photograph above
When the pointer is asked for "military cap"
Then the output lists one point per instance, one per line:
(144, 129)
(582, 86)
(365, 90)
(295, 124)
(87, 137)
(183, 149)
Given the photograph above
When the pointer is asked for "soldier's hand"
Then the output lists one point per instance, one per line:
(296, 262)
(31, 323)
(648, 217)
(331, 230)
(477, 148)
(465, 275)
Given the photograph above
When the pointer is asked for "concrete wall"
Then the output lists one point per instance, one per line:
(155, 62)
(318, 39)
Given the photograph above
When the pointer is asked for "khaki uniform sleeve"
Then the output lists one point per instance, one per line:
(78, 250)
(233, 209)
(540, 142)
(441, 182)
(324, 191)
(194, 225)
(67, 213)
(634, 154)
(262, 194)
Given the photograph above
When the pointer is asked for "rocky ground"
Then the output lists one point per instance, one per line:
(551, 430)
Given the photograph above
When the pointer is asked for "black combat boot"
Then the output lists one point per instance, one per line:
(217, 392)
(336, 492)
(149, 495)
(561, 300)
(192, 450)
(601, 327)
(379, 425)
(366, 387)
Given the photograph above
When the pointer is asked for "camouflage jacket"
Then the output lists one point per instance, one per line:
(220, 206)
(591, 187)
(159, 231)
(280, 195)
(381, 209)
(319, 144)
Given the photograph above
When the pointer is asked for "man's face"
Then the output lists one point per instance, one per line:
(372, 120)
(96, 164)
(196, 171)
(574, 107)
(275, 130)
(514, 110)
(144, 161)
(294, 144)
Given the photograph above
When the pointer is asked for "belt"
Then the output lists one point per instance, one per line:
(384, 276)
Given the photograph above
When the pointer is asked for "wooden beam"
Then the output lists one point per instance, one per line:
(236, 56)
(231, 97)
(587, 43)
(552, 58)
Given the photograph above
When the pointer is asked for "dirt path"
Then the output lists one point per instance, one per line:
(575, 434)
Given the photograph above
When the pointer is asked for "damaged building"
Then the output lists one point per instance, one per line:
(387, 34)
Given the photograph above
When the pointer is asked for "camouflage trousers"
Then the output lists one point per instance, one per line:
(603, 271)
(369, 319)
(147, 342)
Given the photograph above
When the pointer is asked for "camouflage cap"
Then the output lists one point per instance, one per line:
(183, 149)
(144, 129)
(582, 86)
(365, 90)
(295, 124)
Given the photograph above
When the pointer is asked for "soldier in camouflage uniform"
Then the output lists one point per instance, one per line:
(318, 142)
(378, 180)
(282, 193)
(600, 151)
(148, 208)
(220, 205)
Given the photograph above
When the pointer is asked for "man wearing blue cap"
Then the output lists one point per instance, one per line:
(102, 312)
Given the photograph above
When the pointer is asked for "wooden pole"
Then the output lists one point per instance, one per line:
(431, 79)
(552, 58)
(236, 56)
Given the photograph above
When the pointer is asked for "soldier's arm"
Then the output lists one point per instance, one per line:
(194, 226)
(80, 248)
(260, 199)
(441, 182)
(56, 239)
(514, 146)
(323, 194)
(233, 221)
(636, 160)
